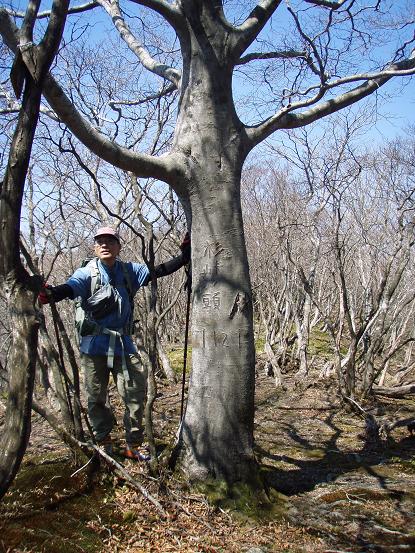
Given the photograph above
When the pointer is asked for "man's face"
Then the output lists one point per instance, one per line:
(107, 249)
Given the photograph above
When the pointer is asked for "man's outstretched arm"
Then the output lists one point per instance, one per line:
(56, 293)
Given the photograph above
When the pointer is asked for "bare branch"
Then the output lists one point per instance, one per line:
(164, 71)
(95, 180)
(311, 43)
(282, 54)
(168, 11)
(285, 119)
(52, 37)
(398, 391)
(87, 447)
(246, 33)
(120, 471)
(141, 164)
(26, 32)
(164, 92)
(327, 3)
(14, 106)
(76, 9)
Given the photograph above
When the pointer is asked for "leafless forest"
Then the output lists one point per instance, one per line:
(330, 240)
(255, 129)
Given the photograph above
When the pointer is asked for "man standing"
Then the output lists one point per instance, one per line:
(104, 290)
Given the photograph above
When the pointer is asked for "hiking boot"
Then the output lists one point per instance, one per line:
(136, 453)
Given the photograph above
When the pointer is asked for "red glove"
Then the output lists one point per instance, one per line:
(185, 245)
(44, 297)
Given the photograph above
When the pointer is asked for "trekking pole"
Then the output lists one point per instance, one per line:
(186, 336)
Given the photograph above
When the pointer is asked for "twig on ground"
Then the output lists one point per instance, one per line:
(225, 513)
(120, 471)
(82, 468)
(387, 531)
(337, 551)
(191, 515)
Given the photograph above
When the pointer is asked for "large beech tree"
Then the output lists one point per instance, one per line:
(324, 62)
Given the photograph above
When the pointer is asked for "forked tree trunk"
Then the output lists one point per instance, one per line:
(20, 298)
(217, 429)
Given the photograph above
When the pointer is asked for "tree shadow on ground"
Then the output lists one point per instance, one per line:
(358, 494)
(306, 472)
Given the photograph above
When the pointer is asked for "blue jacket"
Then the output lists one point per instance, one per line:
(80, 282)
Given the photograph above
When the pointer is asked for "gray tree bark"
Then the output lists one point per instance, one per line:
(217, 429)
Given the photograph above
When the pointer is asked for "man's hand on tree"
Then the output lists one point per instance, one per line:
(44, 296)
(55, 293)
(185, 245)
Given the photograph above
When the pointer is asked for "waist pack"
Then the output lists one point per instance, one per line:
(103, 302)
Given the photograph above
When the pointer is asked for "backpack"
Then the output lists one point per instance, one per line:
(103, 300)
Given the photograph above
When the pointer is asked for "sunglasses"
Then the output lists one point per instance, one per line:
(108, 240)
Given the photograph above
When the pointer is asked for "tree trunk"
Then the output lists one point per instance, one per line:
(165, 363)
(21, 292)
(217, 431)
(22, 361)
(350, 369)
(53, 361)
(272, 367)
(216, 438)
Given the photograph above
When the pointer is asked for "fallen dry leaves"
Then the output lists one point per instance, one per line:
(195, 526)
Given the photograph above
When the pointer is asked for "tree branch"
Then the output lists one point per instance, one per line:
(26, 32)
(326, 4)
(140, 164)
(14, 107)
(168, 11)
(245, 34)
(396, 391)
(311, 42)
(42, 15)
(85, 448)
(165, 91)
(147, 61)
(282, 54)
(285, 119)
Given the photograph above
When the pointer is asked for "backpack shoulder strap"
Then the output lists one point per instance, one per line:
(83, 324)
(95, 274)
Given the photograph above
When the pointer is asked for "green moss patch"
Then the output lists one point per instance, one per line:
(245, 501)
(320, 343)
(176, 359)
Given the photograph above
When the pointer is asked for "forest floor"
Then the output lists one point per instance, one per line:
(331, 490)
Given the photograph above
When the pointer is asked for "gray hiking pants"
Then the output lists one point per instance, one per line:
(133, 394)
